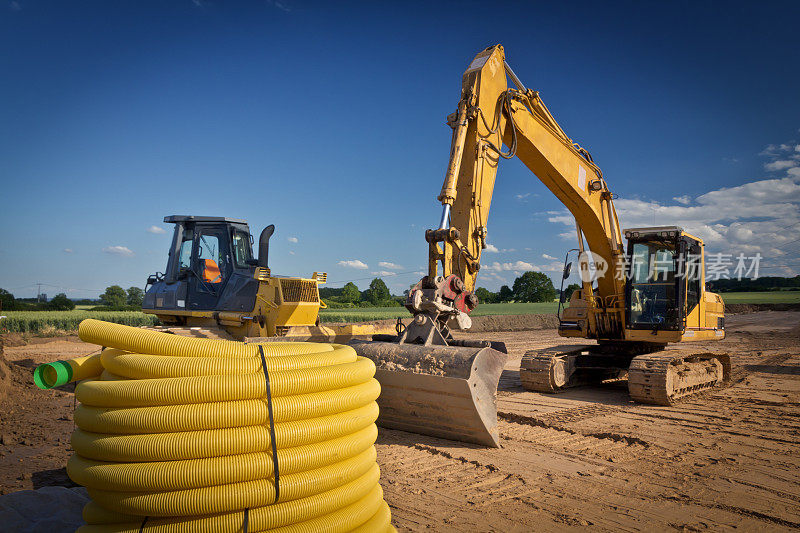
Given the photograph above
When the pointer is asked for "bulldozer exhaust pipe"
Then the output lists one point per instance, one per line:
(263, 246)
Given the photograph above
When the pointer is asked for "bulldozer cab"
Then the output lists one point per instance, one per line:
(664, 282)
(210, 267)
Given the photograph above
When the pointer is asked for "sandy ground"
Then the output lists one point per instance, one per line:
(589, 456)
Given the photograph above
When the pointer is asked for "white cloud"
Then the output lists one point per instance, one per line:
(293, 240)
(291, 252)
(748, 218)
(156, 230)
(68, 250)
(354, 263)
(685, 199)
(780, 164)
(387, 264)
(491, 248)
(522, 196)
(549, 257)
(119, 250)
(517, 266)
(384, 273)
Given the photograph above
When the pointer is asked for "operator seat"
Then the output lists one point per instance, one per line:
(211, 272)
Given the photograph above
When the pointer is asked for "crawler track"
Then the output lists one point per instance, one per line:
(659, 378)
(665, 377)
(545, 370)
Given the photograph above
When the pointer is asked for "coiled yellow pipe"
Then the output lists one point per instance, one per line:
(174, 433)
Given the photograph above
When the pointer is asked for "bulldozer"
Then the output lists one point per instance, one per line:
(633, 302)
(213, 286)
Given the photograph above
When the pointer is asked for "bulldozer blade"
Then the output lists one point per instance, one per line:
(442, 391)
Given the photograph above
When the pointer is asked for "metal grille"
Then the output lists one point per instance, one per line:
(298, 290)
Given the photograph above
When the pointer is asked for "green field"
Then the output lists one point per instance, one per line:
(365, 314)
(54, 322)
(769, 297)
(58, 322)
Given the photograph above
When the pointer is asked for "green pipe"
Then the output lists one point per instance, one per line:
(55, 374)
(51, 375)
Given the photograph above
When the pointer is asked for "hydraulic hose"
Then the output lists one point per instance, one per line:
(176, 434)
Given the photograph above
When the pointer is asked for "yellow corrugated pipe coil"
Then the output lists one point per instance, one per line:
(174, 434)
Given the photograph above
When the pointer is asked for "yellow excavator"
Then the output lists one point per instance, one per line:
(633, 302)
(431, 382)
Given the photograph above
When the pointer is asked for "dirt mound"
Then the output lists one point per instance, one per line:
(740, 309)
(489, 323)
(12, 339)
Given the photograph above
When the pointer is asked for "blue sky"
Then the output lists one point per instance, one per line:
(327, 119)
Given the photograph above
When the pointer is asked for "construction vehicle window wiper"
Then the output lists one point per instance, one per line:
(206, 285)
(210, 249)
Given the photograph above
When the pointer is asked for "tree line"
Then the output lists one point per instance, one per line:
(768, 283)
(529, 287)
(376, 295)
(115, 298)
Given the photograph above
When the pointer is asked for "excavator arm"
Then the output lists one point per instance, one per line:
(495, 122)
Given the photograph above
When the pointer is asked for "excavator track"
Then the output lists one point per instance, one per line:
(665, 377)
(548, 370)
(656, 378)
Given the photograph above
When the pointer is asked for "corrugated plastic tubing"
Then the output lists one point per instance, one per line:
(174, 435)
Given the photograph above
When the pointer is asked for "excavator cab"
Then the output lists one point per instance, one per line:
(665, 287)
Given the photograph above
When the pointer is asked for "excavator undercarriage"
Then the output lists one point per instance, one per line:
(658, 377)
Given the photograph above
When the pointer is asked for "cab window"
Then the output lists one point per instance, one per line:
(652, 284)
(186, 253)
(241, 249)
(212, 266)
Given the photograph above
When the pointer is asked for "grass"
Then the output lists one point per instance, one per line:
(770, 297)
(55, 322)
(366, 314)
